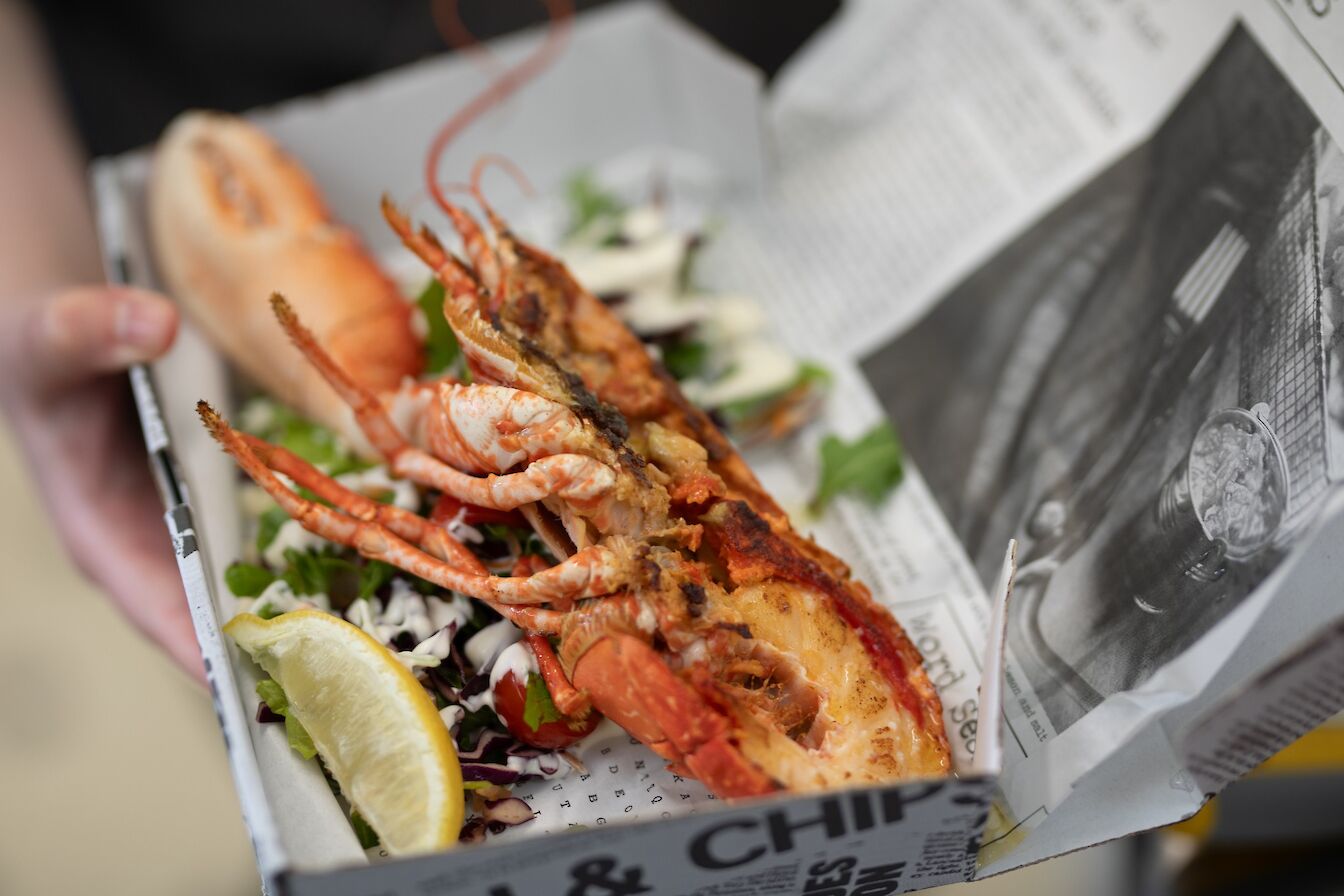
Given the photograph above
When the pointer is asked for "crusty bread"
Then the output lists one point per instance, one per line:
(233, 219)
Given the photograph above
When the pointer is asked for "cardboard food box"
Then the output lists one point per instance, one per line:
(634, 87)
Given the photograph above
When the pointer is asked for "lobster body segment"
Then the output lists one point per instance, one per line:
(684, 606)
(631, 685)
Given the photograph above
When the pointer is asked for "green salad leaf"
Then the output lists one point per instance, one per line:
(269, 610)
(307, 572)
(813, 374)
(310, 441)
(372, 576)
(473, 723)
(687, 281)
(589, 202)
(809, 374)
(685, 359)
(368, 837)
(441, 349)
(247, 580)
(273, 696)
(268, 526)
(538, 708)
(270, 692)
(870, 466)
(299, 740)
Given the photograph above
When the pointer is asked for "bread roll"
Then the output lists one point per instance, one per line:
(233, 219)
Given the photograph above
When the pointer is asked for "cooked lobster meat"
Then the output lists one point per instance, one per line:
(683, 605)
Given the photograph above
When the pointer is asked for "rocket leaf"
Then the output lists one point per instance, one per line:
(870, 466)
(441, 349)
(539, 708)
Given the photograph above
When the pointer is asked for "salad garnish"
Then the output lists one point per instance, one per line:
(506, 727)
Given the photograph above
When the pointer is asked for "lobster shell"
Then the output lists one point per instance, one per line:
(763, 666)
(233, 218)
(832, 691)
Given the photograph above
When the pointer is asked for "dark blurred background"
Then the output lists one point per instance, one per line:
(127, 68)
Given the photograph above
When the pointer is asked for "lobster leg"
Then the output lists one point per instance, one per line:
(504, 255)
(623, 377)
(497, 225)
(412, 527)
(456, 278)
(570, 476)
(568, 699)
(593, 572)
(489, 356)
(630, 684)
(482, 254)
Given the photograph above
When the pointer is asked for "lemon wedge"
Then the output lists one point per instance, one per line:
(373, 724)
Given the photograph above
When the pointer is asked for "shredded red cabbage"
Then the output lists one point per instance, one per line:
(491, 772)
(484, 741)
(473, 831)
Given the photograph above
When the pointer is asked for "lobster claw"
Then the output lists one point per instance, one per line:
(631, 685)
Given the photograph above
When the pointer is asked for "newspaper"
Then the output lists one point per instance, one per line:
(1103, 312)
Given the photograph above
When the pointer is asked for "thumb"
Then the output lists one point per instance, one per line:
(92, 330)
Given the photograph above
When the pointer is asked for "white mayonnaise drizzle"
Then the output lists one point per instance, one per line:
(454, 611)
(375, 481)
(532, 766)
(437, 645)
(484, 647)
(461, 530)
(280, 598)
(290, 535)
(643, 222)
(758, 367)
(652, 312)
(432, 621)
(744, 362)
(416, 661)
(406, 611)
(736, 317)
(649, 263)
(517, 659)
(363, 614)
(452, 716)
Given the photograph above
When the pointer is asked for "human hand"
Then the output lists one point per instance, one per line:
(62, 385)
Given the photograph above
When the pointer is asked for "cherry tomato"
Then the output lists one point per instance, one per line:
(511, 700)
(447, 507)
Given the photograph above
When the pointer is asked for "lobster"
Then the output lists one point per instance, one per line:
(684, 607)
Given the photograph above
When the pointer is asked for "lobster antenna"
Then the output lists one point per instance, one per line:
(505, 85)
(509, 167)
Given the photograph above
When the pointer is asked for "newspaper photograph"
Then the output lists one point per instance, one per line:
(1145, 393)
(1149, 380)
